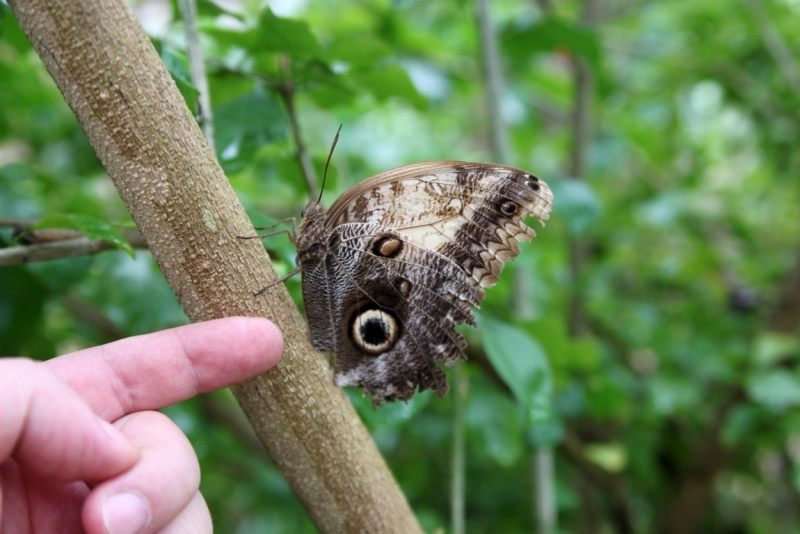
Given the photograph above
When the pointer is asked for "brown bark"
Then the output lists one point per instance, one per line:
(140, 127)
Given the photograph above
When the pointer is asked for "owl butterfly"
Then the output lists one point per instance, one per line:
(400, 258)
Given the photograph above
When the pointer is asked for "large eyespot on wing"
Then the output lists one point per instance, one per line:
(374, 330)
(399, 303)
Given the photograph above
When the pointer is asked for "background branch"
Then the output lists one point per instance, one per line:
(63, 248)
(286, 90)
(492, 84)
(197, 68)
(584, 84)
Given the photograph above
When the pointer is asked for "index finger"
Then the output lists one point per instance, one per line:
(155, 370)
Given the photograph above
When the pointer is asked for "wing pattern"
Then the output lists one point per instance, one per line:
(401, 258)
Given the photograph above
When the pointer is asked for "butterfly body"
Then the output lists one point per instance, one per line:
(402, 257)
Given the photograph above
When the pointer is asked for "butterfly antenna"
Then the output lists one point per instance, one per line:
(330, 154)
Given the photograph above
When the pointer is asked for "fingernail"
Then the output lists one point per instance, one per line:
(125, 513)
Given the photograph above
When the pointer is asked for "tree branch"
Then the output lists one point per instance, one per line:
(63, 248)
(170, 181)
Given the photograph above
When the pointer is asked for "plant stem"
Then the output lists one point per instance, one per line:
(197, 68)
(67, 248)
(287, 92)
(493, 84)
(458, 484)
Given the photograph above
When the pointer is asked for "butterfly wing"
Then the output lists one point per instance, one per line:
(395, 306)
(407, 254)
(472, 213)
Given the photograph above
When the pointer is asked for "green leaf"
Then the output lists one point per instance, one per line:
(388, 82)
(742, 422)
(92, 227)
(671, 394)
(243, 38)
(771, 347)
(577, 203)
(571, 354)
(494, 425)
(331, 92)
(612, 457)
(62, 274)
(360, 52)
(522, 364)
(22, 300)
(245, 124)
(665, 209)
(392, 415)
(777, 389)
(550, 35)
(292, 37)
(180, 74)
(10, 32)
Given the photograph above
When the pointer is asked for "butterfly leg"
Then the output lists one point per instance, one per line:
(287, 219)
(276, 282)
(292, 233)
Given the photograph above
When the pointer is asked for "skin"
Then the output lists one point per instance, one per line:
(81, 447)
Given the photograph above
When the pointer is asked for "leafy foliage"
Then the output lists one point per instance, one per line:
(688, 214)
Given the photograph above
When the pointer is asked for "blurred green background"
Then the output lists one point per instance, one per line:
(646, 341)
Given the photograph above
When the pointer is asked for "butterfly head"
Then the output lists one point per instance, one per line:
(312, 212)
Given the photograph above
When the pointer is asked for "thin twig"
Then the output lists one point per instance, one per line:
(544, 481)
(459, 463)
(287, 91)
(13, 222)
(68, 248)
(94, 317)
(197, 68)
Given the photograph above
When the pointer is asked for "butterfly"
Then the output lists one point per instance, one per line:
(402, 257)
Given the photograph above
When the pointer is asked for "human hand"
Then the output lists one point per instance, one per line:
(81, 449)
